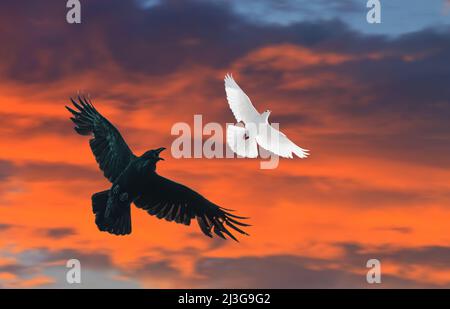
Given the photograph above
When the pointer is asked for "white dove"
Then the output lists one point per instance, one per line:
(257, 130)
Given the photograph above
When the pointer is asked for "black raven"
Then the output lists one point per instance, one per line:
(134, 179)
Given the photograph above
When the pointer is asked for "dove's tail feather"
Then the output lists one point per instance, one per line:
(242, 145)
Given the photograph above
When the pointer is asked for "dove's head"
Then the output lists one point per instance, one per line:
(153, 155)
(266, 114)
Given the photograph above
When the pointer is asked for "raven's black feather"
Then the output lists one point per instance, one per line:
(183, 204)
(119, 225)
(135, 179)
(110, 150)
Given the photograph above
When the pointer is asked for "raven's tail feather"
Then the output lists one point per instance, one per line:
(119, 225)
(99, 201)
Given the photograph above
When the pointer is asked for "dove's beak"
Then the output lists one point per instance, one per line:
(158, 151)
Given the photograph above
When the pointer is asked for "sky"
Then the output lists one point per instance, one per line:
(370, 101)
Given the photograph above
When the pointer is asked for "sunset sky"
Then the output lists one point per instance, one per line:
(371, 102)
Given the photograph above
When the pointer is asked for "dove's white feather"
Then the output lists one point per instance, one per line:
(240, 104)
(267, 136)
(275, 141)
(242, 146)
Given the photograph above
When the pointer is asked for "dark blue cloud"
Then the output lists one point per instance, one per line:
(155, 41)
(166, 35)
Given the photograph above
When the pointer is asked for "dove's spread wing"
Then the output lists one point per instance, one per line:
(275, 141)
(241, 143)
(240, 104)
(110, 149)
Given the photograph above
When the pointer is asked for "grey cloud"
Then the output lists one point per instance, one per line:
(58, 233)
(97, 269)
(147, 268)
(430, 256)
(5, 227)
(397, 229)
(47, 171)
(287, 272)
(6, 169)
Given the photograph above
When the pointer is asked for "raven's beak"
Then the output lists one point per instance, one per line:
(158, 151)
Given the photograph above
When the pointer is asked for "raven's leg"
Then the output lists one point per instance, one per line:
(123, 197)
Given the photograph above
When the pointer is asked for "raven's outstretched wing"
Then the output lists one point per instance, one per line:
(176, 202)
(109, 148)
(240, 104)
